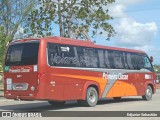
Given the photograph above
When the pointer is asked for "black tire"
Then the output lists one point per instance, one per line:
(91, 98)
(117, 98)
(56, 103)
(148, 93)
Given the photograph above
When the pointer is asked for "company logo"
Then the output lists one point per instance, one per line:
(19, 70)
(6, 68)
(20, 114)
(113, 76)
(6, 114)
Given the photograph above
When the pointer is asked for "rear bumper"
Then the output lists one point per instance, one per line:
(20, 97)
(29, 98)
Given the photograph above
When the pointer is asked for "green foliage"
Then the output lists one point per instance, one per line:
(13, 13)
(40, 19)
(3, 42)
(71, 15)
(156, 68)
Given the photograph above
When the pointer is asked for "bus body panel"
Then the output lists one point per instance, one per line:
(74, 84)
(21, 73)
(60, 84)
(70, 83)
(22, 79)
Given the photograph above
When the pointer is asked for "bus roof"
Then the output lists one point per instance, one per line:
(86, 43)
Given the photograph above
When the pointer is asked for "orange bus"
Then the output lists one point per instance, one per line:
(58, 69)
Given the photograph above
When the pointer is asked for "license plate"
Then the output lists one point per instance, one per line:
(20, 86)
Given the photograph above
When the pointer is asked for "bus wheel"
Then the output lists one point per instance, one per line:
(148, 94)
(117, 98)
(91, 98)
(56, 103)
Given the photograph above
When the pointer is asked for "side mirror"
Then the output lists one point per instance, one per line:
(151, 59)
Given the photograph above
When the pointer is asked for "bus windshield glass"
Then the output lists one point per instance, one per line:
(22, 54)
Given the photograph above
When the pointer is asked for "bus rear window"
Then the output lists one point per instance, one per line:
(22, 54)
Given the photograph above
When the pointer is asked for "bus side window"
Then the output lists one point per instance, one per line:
(57, 50)
(141, 63)
(101, 59)
(91, 57)
(107, 63)
(53, 48)
(147, 63)
(124, 60)
(118, 60)
(80, 53)
(111, 60)
(53, 51)
(134, 61)
(129, 61)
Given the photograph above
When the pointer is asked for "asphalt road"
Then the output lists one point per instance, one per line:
(125, 104)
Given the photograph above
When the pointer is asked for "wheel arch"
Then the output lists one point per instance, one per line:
(151, 85)
(91, 84)
(95, 86)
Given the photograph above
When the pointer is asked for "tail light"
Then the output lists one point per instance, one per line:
(39, 75)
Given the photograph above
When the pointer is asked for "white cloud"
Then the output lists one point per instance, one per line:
(139, 36)
(117, 11)
(127, 2)
(131, 33)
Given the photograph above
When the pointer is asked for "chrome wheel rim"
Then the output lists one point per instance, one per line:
(92, 96)
(149, 93)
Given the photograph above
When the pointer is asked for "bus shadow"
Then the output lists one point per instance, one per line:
(112, 101)
(44, 106)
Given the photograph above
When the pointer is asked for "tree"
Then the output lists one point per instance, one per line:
(3, 42)
(156, 68)
(13, 13)
(72, 16)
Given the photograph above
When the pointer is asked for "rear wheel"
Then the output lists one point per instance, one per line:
(148, 93)
(91, 98)
(56, 103)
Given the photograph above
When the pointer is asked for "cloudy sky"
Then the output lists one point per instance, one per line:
(137, 23)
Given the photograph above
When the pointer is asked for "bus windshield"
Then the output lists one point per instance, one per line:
(22, 54)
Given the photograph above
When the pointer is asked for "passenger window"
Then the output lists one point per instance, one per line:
(91, 57)
(129, 61)
(118, 60)
(101, 59)
(147, 62)
(107, 63)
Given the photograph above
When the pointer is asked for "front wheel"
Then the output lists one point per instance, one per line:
(91, 98)
(148, 94)
(56, 103)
